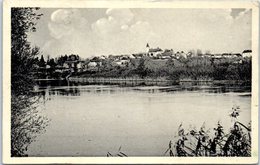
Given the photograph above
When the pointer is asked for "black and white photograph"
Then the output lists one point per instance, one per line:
(124, 81)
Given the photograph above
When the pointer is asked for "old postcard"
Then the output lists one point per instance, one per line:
(130, 82)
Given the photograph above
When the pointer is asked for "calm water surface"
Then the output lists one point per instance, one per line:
(91, 120)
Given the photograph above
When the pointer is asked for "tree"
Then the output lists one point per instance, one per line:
(62, 59)
(42, 62)
(52, 63)
(25, 121)
(141, 69)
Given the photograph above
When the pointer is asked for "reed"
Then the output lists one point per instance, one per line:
(192, 143)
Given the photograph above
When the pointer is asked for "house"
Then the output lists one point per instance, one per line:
(167, 54)
(71, 64)
(231, 55)
(81, 65)
(121, 62)
(237, 55)
(180, 54)
(177, 55)
(131, 56)
(115, 57)
(247, 53)
(208, 55)
(153, 52)
(93, 64)
(183, 54)
(227, 55)
(95, 59)
(218, 56)
(66, 66)
(103, 57)
(48, 66)
(124, 57)
(189, 54)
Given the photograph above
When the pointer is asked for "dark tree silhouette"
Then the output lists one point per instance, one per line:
(141, 70)
(25, 121)
(42, 62)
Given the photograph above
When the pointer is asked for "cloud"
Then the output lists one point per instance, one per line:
(116, 20)
(120, 28)
(206, 29)
(68, 29)
(72, 33)
(123, 16)
(65, 22)
(122, 31)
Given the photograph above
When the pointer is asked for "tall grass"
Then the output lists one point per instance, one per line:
(235, 142)
(192, 143)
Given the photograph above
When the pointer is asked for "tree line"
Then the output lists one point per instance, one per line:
(194, 68)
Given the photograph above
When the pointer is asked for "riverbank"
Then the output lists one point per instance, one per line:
(162, 80)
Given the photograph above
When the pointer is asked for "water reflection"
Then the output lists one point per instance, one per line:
(57, 87)
(71, 91)
(67, 88)
(90, 119)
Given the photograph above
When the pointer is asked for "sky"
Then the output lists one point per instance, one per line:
(92, 32)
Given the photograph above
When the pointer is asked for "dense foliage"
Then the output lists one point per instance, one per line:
(25, 121)
(194, 68)
(190, 68)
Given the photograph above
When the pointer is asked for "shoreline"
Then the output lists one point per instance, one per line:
(106, 79)
(152, 80)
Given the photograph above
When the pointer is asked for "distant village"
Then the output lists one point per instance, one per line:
(74, 63)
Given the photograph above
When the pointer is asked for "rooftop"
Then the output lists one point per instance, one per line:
(155, 50)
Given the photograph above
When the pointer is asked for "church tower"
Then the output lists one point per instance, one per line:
(147, 48)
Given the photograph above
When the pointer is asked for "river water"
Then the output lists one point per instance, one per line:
(140, 120)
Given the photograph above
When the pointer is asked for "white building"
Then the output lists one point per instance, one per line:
(153, 52)
(247, 53)
(121, 62)
(92, 64)
(180, 54)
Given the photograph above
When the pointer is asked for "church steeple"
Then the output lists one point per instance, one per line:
(147, 48)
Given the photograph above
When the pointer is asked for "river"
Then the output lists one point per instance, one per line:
(140, 120)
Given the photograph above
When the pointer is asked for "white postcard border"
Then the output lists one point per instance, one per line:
(6, 122)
